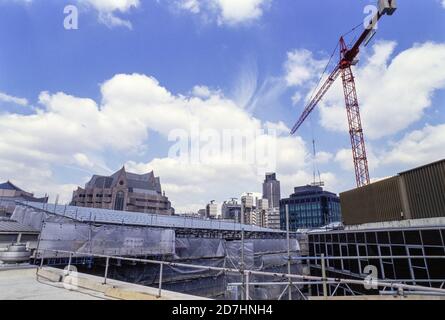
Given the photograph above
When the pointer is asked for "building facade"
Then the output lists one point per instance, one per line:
(212, 210)
(248, 205)
(259, 218)
(124, 191)
(262, 204)
(231, 210)
(418, 250)
(310, 207)
(415, 194)
(272, 190)
(9, 193)
(273, 219)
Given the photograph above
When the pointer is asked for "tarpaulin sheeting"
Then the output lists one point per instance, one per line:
(106, 240)
(67, 234)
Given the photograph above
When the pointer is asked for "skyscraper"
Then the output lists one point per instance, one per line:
(272, 190)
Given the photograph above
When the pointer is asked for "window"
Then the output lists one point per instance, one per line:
(119, 201)
(383, 237)
(397, 237)
(344, 253)
(431, 237)
(413, 237)
(387, 264)
(418, 265)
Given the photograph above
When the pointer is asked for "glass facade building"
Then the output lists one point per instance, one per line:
(310, 207)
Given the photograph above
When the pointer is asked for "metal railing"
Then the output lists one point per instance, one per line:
(301, 279)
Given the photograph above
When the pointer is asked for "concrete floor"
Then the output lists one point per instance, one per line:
(22, 284)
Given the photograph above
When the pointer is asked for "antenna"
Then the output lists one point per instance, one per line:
(316, 183)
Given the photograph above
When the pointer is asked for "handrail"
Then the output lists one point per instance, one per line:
(364, 282)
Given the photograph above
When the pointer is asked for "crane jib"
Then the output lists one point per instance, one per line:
(347, 59)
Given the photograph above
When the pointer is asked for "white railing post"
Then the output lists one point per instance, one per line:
(107, 264)
(160, 280)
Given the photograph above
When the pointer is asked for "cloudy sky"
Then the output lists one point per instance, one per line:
(79, 102)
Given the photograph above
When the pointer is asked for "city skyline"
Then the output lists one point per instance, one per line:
(74, 103)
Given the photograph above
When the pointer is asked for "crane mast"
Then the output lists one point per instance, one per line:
(344, 67)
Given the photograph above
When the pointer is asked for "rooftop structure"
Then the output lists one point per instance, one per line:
(231, 210)
(14, 232)
(408, 255)
(414, 194)
(124, 191)
(9, 193)
(114, 217)
(90, 232)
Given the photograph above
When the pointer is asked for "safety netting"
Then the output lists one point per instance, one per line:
(120, 240)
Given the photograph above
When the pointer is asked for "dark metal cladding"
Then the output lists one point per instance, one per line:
(415, 194)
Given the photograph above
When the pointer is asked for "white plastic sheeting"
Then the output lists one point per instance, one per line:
(105, 240)
(62, 232)
(140, 219)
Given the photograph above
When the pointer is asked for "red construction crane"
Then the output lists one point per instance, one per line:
(347, 60)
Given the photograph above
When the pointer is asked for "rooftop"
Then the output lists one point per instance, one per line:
(309, 190)
(13, 226)
(146, 181)
(141, 219)
(8, 185)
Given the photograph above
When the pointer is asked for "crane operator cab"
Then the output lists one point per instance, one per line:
(387, 7)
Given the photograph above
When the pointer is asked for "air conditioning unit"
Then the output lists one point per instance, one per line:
(387, 7)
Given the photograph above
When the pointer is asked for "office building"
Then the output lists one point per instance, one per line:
(272, 218)
(258, 218)
(124, 191)
(262, 204)
(248, 205)
(231, 210)
(310, 207)
(212, 210)
(202, 213)
(272, 190)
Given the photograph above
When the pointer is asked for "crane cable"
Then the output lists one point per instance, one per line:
(312, 96)
(330, 59)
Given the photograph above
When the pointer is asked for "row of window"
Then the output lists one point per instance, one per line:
(418, 266)
(433, 237)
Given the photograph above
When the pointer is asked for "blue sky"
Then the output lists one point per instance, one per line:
(127, 61)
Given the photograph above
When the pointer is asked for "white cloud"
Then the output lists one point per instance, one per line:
(228, 12)
(190, 5)
(78, 133)
(235, 11)
(107, 10)
(224, 12)
(204, 92)
(393, 93)
(301, 67)
(443, 3)
(418, 147)
(113, 5)
(323, 157)
(11, 99)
